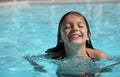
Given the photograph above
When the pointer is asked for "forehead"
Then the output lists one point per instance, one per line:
(73, 17)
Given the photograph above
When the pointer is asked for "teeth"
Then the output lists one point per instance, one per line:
(75, 36)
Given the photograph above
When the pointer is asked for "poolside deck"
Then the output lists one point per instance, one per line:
(9, 2)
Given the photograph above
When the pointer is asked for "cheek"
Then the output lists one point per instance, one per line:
(65, 32)
(85, 33)
(62, 34)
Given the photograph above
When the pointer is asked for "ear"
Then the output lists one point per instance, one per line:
(88, 36)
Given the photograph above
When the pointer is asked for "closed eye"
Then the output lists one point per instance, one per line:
(80, 24)
(67, 25)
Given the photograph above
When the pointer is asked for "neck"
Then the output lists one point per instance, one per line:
(75, 50)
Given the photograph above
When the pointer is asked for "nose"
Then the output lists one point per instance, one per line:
(75, 28)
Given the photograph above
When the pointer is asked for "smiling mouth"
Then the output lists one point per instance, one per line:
(74, 36)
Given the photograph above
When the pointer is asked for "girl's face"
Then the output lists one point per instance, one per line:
(74, 29)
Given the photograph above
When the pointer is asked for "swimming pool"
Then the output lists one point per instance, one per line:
(32, 28)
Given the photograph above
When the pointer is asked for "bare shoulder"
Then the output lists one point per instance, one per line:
(97, 53)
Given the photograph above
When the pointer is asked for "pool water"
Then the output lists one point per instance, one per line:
(32, 28)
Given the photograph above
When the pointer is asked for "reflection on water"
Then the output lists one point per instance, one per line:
(15, 66)
(99, 67)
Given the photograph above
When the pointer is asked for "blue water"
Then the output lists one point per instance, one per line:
(32, 28)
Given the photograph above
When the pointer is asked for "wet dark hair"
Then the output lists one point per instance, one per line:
(59, 50)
